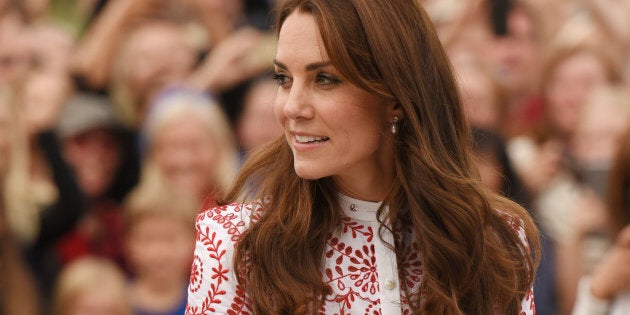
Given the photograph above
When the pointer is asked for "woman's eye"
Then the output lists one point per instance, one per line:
(327, 79)
(281, 79)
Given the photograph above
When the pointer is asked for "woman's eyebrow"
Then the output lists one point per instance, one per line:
(309, 67)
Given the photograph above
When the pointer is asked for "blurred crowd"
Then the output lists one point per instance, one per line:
(121, 119)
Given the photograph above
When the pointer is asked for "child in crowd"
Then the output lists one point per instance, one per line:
(91, 286)
(160, 240)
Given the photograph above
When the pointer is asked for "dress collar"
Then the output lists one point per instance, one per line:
(358, 209)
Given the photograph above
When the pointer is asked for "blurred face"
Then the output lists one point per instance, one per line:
(333, 127)
(157, 56)
(42, 100)
(98, 302)
(258, 124)
(514, 56)
(571, 83)
(15, 56)
(94, 157)
(598, 135)
(160, 249)
(480, 104)
(186, 154)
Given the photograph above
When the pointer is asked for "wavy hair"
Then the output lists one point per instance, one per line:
(473, 260)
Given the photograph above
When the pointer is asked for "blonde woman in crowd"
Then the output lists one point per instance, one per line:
(189, 145)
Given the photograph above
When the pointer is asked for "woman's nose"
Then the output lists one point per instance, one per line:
(298, 104)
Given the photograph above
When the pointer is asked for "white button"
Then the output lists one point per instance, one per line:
(389, 284)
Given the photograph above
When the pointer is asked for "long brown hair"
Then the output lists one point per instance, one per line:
(473, 260)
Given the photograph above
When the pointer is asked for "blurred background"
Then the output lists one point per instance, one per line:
(121, 119)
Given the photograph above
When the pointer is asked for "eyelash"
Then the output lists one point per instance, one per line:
(322, 79)
(327, 80)
(281, 79)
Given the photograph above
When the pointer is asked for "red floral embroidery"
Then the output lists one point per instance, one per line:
(196, 275)
(350, 269)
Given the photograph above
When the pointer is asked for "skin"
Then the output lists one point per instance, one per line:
(186, 153)
(258, 124)
(160, 250)
(613, 275)
(572, 81)
(157, 56)
(94, 156)
(315, 100)
(479, 101)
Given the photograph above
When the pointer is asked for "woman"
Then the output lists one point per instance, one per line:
(188, 145)
(369, 203)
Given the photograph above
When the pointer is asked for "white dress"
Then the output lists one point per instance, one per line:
(360, 269)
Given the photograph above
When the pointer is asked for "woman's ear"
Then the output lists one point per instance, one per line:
(396, 110)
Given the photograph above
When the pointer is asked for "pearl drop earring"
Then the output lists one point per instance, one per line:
(395, 125)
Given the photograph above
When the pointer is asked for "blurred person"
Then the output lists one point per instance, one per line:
(546, 161)
(38, 182)
(607, 289)
(154, 55)
(160, 239)
(18, 292)
(514, 57)
(257, 123)
(139, 48)
(496, 172)
(91, 146)
(373, 169)
(570, 74)
(495, 168)
(97, 51)
(91, 285)
(37, 100)
(601, 126)
(14, 46)
(189, 145)
(26, 44)
(51, 47)
(483, 98)
(41, 98)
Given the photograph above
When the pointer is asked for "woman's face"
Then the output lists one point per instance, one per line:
(333, 127)
(94, 156)
(480, 102)
(572, 81)
(157, 57)
(186, 153)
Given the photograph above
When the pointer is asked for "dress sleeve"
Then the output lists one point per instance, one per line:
(213, 288)
(528, 307)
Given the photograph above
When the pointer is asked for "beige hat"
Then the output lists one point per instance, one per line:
(85, 112)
